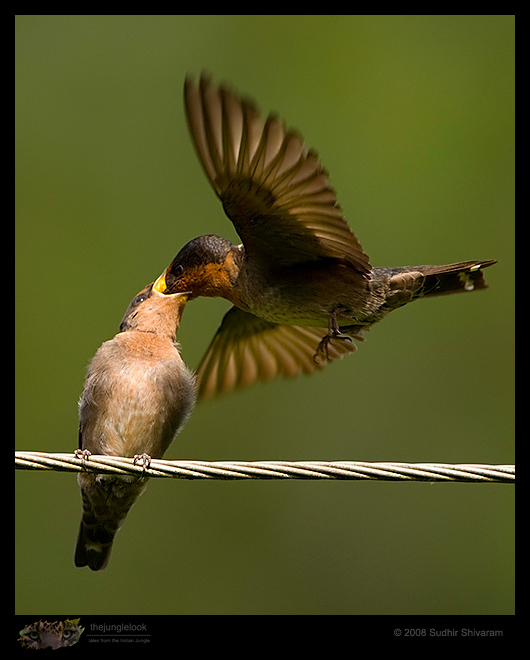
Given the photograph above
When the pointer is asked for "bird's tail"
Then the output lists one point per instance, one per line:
(106, 502)
(411, 282)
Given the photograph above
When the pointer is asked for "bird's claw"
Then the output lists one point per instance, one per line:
(323, 346)
(83, 455)
(145, 460)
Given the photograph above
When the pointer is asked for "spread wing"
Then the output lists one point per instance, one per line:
(272, 188)
(247, 349)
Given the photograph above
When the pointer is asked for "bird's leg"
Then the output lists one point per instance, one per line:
(333, 333)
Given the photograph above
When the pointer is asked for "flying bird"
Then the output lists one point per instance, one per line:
(300, 283)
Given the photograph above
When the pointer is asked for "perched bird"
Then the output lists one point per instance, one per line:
(300, 283)
(138, 395)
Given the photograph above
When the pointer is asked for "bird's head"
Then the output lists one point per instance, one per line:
(204, 267)
(155, 312)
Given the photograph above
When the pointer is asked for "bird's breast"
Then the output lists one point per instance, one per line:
(138, 394)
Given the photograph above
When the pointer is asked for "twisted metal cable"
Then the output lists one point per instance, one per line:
(348, 470)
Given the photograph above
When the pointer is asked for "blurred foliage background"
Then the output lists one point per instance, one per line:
(414, 118)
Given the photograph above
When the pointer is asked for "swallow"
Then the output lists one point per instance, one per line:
(138, 395)
(300, 283)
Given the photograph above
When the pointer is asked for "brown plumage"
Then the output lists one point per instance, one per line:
(138, 395)
(300, 282)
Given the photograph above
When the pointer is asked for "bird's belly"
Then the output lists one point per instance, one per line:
(287, 310)
(309, 300)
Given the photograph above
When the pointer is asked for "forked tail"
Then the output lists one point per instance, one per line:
(411, 282)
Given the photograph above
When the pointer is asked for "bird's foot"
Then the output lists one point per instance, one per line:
(323, 347)
(333, 333)
(83, 455)
(144, 459)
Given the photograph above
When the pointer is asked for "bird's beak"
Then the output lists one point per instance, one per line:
(160, 284)
(161, 287)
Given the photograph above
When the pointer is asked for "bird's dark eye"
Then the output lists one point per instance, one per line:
(172, 275)
(176, 271)
(139, 299)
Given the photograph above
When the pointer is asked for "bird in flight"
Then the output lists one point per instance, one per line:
(300, 283)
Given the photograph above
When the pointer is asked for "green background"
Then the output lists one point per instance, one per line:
(413, 117)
